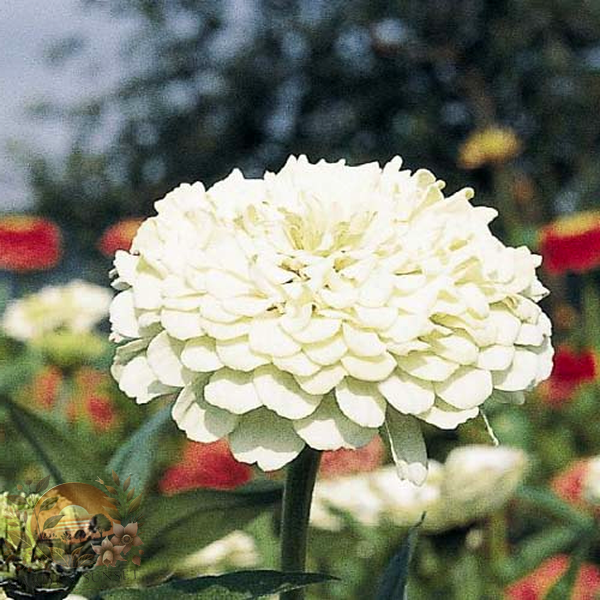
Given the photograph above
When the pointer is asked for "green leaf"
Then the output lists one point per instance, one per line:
(393, 582)
(136, 456)
(48, 503)
(241, 585)
(534, 550)
(52, 521)
(176, 526)
(563, 588)
(553, 505)
(61, 455)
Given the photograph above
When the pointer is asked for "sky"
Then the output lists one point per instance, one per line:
(27, 28)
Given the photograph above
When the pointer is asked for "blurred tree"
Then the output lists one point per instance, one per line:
(213, 85)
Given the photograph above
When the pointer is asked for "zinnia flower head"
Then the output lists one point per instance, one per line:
(492, 145)
(205, 466)
(28, 243)
(591, 482)
(72, 308)
(319, 304)
(572, 243)
(571, 370)
(118, 236)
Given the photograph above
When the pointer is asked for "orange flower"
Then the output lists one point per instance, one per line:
(346, 462)
(118, 236)
(568, 485)
(28, 243)
(45, 387)
(572, 243)
(205, 466)
(571, 369)
(537, 584)
(493, 145)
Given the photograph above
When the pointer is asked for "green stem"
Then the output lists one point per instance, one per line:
(297, 496)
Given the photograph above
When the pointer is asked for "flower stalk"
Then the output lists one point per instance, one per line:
(297, 497)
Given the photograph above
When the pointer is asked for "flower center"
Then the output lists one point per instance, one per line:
(126, 539)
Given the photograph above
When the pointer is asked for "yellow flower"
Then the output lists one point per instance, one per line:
(493, 145)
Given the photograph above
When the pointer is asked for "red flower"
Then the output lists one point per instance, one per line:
(346, 462)
(100, 412)
(28, 243)
(118, 236)
(205, 466)
(571, 369)
(572, 243)
(536, 584)
(568, 485)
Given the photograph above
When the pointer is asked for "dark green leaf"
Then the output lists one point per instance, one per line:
(241, 585)
(393, 582)
(42, 484)
(136, 456)
(52, 521)
(61, 455)
(16, 499)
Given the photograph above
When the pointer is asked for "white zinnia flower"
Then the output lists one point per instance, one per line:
(322, 303)
(75, 307)
(474, 482)
(591, 482)
(235, 550)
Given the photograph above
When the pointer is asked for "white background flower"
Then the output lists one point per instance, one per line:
(322, 303)
(75, 307)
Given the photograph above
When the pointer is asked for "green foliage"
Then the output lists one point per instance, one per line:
(241, 585)
(395, 577)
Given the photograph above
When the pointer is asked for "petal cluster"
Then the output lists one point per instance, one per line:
(322, 303)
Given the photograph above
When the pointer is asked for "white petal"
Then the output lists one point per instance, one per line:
(233, 391)
(322, 381)
(465, 388)
(507, 326)
(201, 421)
(328, 429)
(226, 331)
(267, 337)
(370, 369)
(496, 357)
(137, 380)
(297, 364)
(545, 354)
(317, 330)
(377, 318)
(406, 328)
(520, 375)
(362, 343)
(182, 325)
(530, 335)
(444, 416)
(407, 394)
(246, 306)
(212, 309)
(265, 439)
(408, 447)
(327, 352)
(122, 315)
(146, 287)
(223, 284)
(457, 347)
(126, 265)
(237, 354)
(164, 358)
(361, 402)
(200, 355)
(427, 366)
(280, 392)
